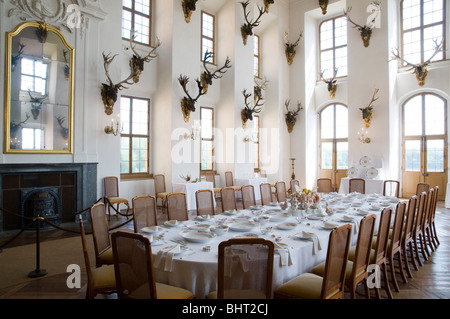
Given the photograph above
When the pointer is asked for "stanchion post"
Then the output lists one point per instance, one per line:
(38, 272)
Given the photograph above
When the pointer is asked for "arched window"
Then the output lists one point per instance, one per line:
(424, 143)
(333, 47)
(334, 143)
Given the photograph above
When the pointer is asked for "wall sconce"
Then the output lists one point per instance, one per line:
(111, 130)
(363, 136)
(252, 139)
(195, 132)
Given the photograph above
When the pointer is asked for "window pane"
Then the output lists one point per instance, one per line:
(341, 121)
(326, 35)
(340, 31)
(207, 158)
(342, 155)
(435, 155)
(124, 155)
(125, 106)
(413, 117)
(127, 3)
(327, 155)
(140, 117)
(333, 47)
(139, 155)
(256, 137)
(327, 122)
(412, 156)
(434, 115)
(142, 6)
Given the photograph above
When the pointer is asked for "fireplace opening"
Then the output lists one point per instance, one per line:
(43, 202)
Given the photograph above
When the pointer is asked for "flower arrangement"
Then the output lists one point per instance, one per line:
(305, 198)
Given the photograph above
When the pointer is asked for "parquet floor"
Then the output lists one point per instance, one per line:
(432, 281)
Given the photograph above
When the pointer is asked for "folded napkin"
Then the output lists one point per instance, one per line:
(285, 255)
(330, 224)
(351, 219)
(169, 257)
(172, 222)
(315, 239)
(232, 258)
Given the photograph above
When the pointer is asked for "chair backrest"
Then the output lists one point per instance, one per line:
(428, 208)
(111, 186)
(357, 185)
(422, 187)
(391, 188)
(383, 236)
(433, 210)
(397, 229)
(160, 183)
(324, 185)
(85, 252)
(409, 219)
(245, 269)
(144, 212)
(263, 173)
(294, 182)
(133, 266)
(229, 179)
(248, 196)
(228, 198)
(421, 207)
(281, 191)
(336, 263)
(363, 245)
(205, 202)
(211, 177)
(100, 229)
(266, 193)
(177, 207)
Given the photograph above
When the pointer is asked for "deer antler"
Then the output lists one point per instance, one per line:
(107, 60)
(365, 31)
(355, 25)
(247, 28)
(207, 77)
(188, 103)
(332, 86)
(294, 113)
(150, 56)
(370, 107)
(253, 109)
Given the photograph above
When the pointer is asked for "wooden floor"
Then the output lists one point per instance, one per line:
(432, 281)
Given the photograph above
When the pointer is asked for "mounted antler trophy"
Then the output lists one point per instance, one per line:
(36, 104)
(367, 112)
(14, 128)
(64, 130)
(259, 88)
(365, 31)
(247, 112)
(17, 57)
(188, 8)
(267, 4)
(188, 102)
(137, 62)
(247, 28)
(323, 5)
(332, 85)
(206, 77)
(420, 70)
(290, 48)
(66, 65)
(291, 116)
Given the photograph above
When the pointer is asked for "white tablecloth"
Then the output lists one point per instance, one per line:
(255, 181)
(373, 186)
(196, 270)
(447, 196)
(190, 189)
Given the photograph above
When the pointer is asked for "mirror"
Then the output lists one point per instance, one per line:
(39, 90)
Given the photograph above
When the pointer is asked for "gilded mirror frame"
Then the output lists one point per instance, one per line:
(66, 133)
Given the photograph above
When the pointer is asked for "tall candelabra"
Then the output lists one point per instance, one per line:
(293, 168)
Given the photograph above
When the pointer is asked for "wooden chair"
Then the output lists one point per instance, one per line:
(418, 228)
(144, 212)
(111, 188)
(281, 191)
(134, 270)
(331, 285)
(426, 237)
(263, 173)
(228, 198)
(205, 202)
(395, 245)
(100, 279)
(324, 185)
(177, 207)
(100, 234)
(433, 231)
(422, 187)
(266, 193)
(248, 196)
(428, 225)
(391, 188)
(407, 240)
(356, 272)
(211, 177)
(160, 188)
(229, 181)
(292, 183)
(357, 185)
(249, 276)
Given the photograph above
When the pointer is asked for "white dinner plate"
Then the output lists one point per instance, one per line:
(273, 204)
(242, 218)
(280, 246)
(203, 217)
(314, 217)
(329, 227)
(248, 235)
(287, 226)
(197, 236)
(362, 212)
(276, 217)
(173, 223)
(357, 204)
(166, 249)
(300, 236)
(365, 161)
(375, 208)
(340, 211)
(384, 204)
(230, 212)
(152, 229)
(241, 226)
(255, 208)
(200, 227)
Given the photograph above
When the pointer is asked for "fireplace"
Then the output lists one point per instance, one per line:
(73, 187)
(43, 202)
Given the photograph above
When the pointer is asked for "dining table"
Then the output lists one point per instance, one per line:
(185, 254)
(371, 185)
(255, 181)
(190, 189)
